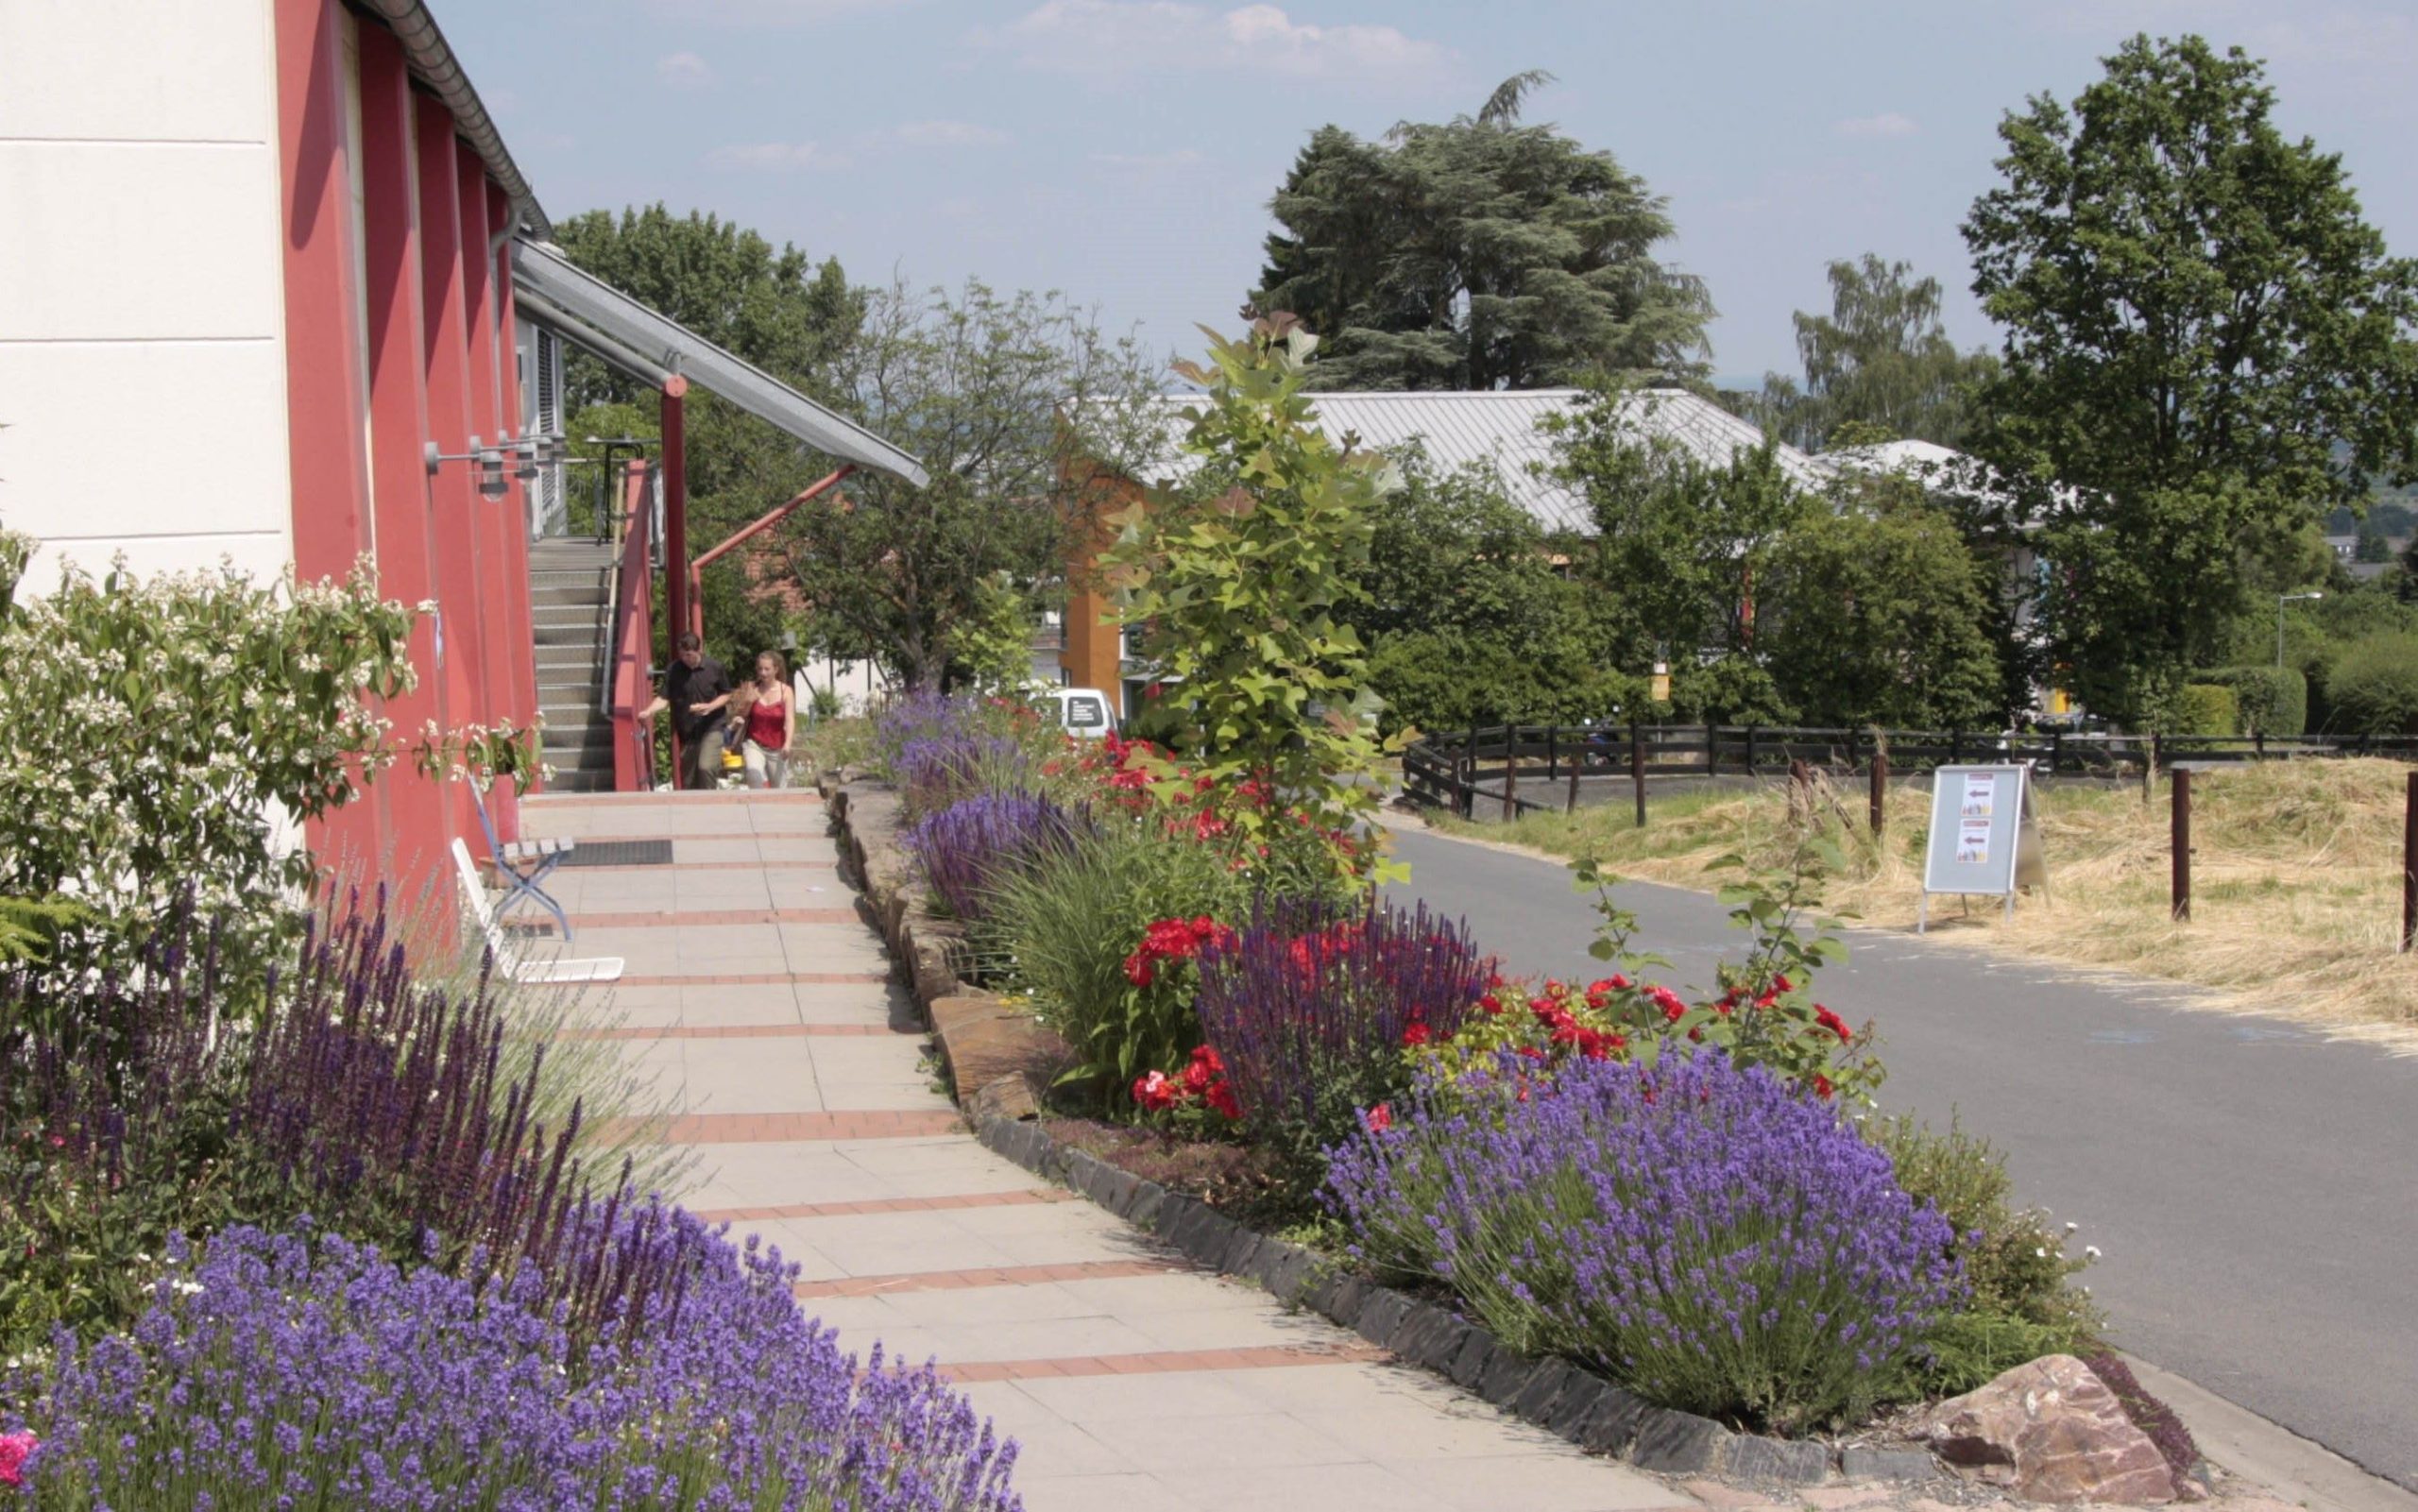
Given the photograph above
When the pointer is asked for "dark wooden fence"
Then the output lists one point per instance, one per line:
(1527, 768)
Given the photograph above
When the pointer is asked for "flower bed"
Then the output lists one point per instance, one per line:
(420, 1274)
(1675, 1191)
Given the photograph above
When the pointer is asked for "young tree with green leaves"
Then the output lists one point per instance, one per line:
(1245, 577)
(1875, 616)
(1477, 254)
(2207, 347)
(1880, 360)
(1679, 542)
(994, 393)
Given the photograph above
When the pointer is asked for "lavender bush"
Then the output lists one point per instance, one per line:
(383, 1106)
(303, 1369)
(967, 849)
(1702, 1233)
(1312, 1006)
(933, 774)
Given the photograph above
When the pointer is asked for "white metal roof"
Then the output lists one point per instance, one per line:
(1498, 428)
(549, 292)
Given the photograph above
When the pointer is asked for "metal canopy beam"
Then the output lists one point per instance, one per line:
(643, 335)
(580, 334)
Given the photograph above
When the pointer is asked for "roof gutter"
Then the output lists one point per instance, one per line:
(433, 64)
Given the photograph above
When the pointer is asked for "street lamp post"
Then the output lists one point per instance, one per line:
(2281, 599)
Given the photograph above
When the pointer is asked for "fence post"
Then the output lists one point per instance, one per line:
(1575, 763)
(1955, 746)
(1553, 752)
(1879, 788)
(2409, 868)
(2181, 844)
(1510, 773)
(2056, 750)
(1751, 750)
(1637, 767)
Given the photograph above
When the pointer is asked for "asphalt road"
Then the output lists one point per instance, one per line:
(2254, 1186)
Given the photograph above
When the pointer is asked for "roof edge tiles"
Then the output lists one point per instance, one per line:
(590, 313)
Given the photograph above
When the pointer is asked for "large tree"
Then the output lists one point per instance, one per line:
(2206, 348)
(1478, 253)
(990, 391)
(1880, 360)
(775, 307)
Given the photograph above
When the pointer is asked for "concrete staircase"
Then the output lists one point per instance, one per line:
(570, 597)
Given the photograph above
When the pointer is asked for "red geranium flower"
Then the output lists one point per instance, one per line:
(1414, 1035)
(1379, 1119)
(1155, 1091)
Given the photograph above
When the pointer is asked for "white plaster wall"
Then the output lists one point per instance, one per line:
(142, 315)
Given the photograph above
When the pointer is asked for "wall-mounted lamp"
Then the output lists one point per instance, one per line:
(526, 456)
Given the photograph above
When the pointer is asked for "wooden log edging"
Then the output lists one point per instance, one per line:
(1595, 1414)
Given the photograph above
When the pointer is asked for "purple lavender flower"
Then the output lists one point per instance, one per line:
(1704, 1235)
(966, 850)
(303, 1369)
(1312, 1006)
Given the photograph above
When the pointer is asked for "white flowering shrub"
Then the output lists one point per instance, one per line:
(155, 734)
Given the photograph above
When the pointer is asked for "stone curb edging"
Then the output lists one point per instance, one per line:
(1579, 1406)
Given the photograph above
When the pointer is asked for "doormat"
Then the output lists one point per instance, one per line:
(620, 852)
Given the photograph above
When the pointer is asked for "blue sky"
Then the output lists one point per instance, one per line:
(1123, 151)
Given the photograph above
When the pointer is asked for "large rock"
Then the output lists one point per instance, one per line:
(986, 1041)
(2051, 1431)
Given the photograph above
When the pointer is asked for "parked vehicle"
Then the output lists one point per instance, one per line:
(1082, 712)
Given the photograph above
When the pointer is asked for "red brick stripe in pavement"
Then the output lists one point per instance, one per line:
(729, 795)
(764, 1128)
(715, 866)
(722, 834)
(667, 919)
(1019, 1197)
(1258, 1357)
(733, 1031)
(935, 1280)
(760, 979)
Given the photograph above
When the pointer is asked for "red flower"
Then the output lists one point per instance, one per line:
(1221, 1100)
(1138, 969)
(1379, 1119)
(1821, 1084)
(1415, 1035)
(15, 1449)
(1830, 1021)
(1781, 983)
(1491, 1003)
(1155, 1091)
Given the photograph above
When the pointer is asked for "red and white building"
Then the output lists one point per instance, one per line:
(257, 258)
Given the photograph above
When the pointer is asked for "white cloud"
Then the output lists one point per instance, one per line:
(684, 71)
(946, 134)
(1111, 37)
(1149, 162)
(1887, 124)
(775, 156)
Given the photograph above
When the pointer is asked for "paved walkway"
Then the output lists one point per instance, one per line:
(1128, 1379)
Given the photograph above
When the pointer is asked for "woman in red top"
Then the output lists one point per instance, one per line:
(768, 717)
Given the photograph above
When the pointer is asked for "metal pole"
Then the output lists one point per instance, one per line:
(1637, 768)
(677, 616)
(2181, 844)
(1880, 789)
(2409, 868)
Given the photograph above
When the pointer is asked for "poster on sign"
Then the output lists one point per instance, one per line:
(1984, 839)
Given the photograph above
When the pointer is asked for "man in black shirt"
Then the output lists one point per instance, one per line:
(697, 692)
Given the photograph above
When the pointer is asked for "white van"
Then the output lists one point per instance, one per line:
(1084, 712)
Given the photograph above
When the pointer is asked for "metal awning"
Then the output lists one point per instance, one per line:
(549, 292)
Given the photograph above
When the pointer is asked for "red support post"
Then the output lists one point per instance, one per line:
(325, 404)
(521, 623)
(489, 517)
(398, 423)
(679, 616)
(444, 351)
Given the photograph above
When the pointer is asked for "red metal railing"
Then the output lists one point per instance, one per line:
(782, 512)
(634, 635)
